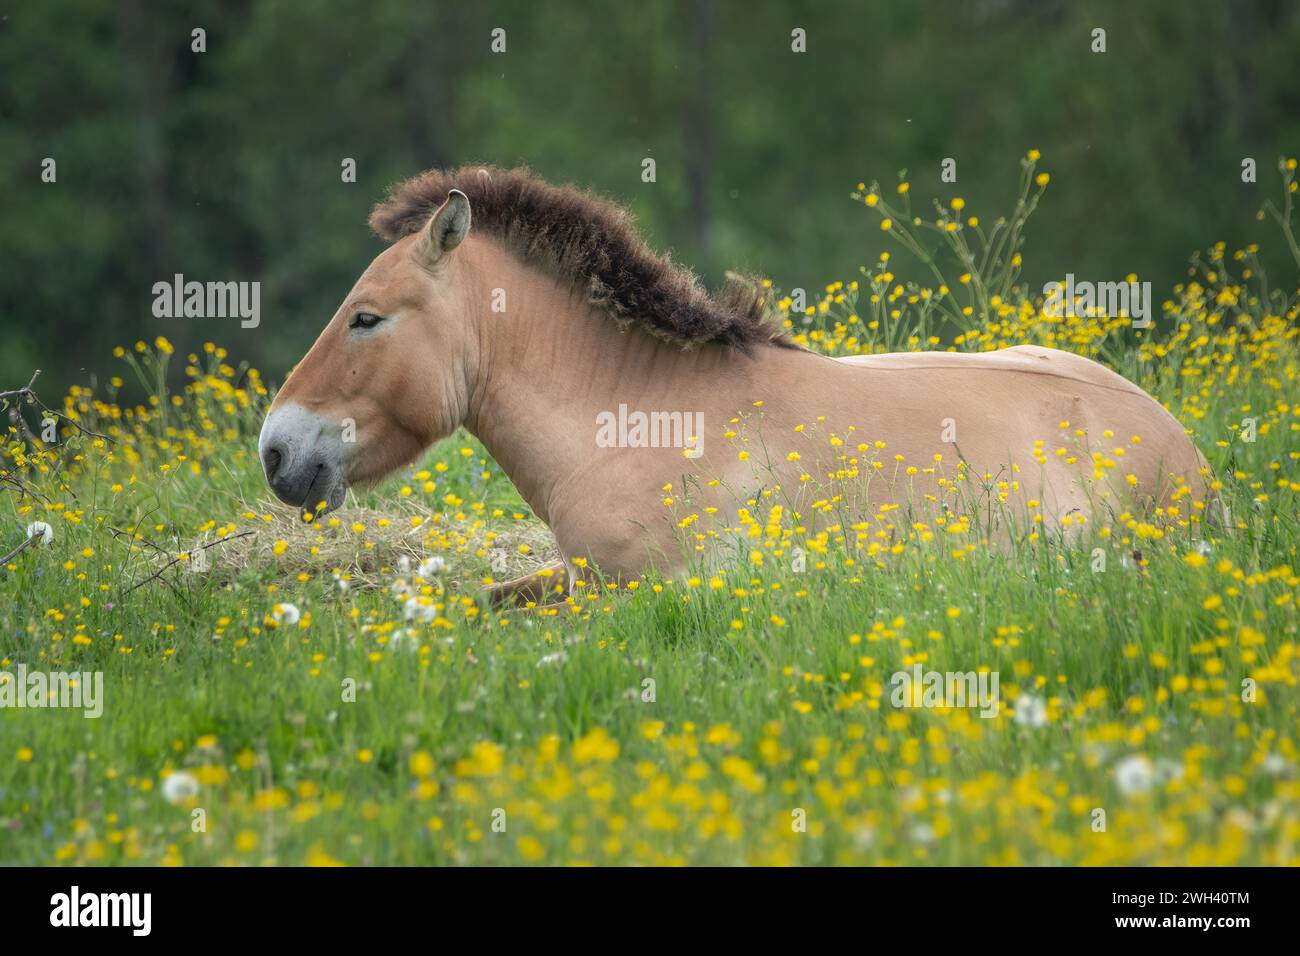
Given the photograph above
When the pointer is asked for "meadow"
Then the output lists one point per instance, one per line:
(335, 691)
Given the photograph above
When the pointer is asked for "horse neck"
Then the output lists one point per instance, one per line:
(550, 363)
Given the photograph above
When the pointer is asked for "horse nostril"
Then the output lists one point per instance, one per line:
(271, 462)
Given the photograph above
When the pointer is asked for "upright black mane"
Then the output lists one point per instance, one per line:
(568, 231)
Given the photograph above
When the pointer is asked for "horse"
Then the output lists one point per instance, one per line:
(557, 337)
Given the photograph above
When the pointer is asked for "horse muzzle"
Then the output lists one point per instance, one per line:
(304, 457)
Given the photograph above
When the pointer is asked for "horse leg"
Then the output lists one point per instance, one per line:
(549, 584)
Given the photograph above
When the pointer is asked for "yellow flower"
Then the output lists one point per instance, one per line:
(317, 856)
(485, 760)
(530, 848)
(596, 745)
(421, 764)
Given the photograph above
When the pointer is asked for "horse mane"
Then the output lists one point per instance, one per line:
(573, 233)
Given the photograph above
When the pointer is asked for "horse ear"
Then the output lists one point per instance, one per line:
(446, 228)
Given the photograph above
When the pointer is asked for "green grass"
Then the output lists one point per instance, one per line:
(770, 704)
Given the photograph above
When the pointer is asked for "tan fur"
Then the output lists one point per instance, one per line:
(546, 586)
(530, 383)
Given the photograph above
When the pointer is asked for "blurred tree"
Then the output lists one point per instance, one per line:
(226, 164)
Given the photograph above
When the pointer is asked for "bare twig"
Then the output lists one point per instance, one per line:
(26, 392)
(136, 536)
(119, 533)
(23, 487)
(177, 560)
(18, 550)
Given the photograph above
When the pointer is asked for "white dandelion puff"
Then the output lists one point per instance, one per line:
(403, 639)
(180, 787)
(1031, 711)
(1135, 774)
(430, 567)
(286, 613)
(1276, 764)
(40, 528)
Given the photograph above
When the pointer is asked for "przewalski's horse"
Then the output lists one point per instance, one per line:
(533, 329)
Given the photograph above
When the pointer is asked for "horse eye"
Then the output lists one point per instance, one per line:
(365, 320)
